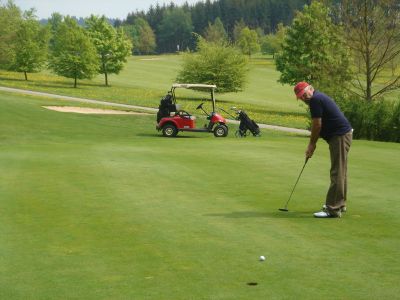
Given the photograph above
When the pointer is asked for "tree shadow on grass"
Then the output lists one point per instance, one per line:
(54, 84)
(68, 85)
(13, 79)
(256, 214)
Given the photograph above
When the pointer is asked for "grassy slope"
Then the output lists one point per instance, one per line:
(101, 207)
(146, 79)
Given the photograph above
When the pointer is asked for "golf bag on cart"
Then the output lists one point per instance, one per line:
(246, 124)
(166, 107)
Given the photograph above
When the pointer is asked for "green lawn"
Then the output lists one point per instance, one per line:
(146, 79)
(103, 207)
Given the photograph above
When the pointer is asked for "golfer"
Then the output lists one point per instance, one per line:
(329, 123)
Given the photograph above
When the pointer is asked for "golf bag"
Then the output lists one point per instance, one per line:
(166, 107)
(246, 124)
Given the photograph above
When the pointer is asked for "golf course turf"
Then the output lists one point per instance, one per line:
(103, 207)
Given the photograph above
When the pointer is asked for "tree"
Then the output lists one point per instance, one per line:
(10, 19)
(263, 14)
(175, 30)
(53, 23)
(272, 43)
(216, 32)
(237, 29)
(314, 51)
(146, 38)
(111, 44)
(248, 41)
(31, 44)
(215, 63)
(142, 36)
(73, 54)
(372, 31)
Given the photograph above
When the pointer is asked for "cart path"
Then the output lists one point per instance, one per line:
(83, 100)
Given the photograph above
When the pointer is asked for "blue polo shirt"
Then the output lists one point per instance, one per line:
(333, 120)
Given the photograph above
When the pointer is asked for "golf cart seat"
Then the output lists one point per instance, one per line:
(185, 115)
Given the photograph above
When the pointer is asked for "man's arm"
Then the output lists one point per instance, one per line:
(315, 130)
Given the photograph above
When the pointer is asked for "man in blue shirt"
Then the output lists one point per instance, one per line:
(329, 123)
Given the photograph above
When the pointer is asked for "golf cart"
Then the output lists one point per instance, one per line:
(171, 119)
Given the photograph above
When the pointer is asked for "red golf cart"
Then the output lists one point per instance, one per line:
(171, 120)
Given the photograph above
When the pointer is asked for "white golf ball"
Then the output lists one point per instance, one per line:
(262, 258)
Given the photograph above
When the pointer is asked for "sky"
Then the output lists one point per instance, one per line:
(84, 8)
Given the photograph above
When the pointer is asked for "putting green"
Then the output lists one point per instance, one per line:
(103, 207)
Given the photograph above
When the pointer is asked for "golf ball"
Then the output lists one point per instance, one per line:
(262, 258)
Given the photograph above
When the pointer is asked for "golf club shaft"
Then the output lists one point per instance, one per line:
(298, 178)
(226, 112)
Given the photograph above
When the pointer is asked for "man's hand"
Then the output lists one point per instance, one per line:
(310, 150)
(316, 125)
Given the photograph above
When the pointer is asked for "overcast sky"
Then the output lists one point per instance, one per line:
(84, 8)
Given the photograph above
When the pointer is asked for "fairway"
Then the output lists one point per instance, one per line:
(103, 207)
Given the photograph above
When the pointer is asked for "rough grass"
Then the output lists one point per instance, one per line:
(102, 207)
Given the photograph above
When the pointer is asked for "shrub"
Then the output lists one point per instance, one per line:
(378, 120)
(215, 63)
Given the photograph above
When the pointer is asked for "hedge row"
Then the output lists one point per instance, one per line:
(378, 120)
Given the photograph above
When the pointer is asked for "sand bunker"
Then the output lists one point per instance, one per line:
(86, 110)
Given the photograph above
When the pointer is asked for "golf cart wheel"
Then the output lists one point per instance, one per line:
(169, 130)
(221, 130)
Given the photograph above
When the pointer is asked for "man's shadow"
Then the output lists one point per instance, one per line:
(257, 214)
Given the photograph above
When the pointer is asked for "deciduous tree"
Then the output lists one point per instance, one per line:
(372, 31)
(248, 41)
(142, 36)
(314, 50)
(31, 43)
(272, 43)
(146, 38)
(73, 54)
(112, 46)
(10, 20)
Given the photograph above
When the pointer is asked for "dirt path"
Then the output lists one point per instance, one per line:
(83, 100)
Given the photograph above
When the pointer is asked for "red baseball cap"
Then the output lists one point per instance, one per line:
(299, 88)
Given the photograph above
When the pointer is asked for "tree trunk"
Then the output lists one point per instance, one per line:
(26, 76)
(75, 82)
(105, 73)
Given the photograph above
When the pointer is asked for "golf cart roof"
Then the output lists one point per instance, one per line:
(193, 86)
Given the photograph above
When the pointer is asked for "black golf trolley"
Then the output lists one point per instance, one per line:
(246, 124)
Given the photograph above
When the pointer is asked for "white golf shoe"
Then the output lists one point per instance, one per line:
(325, 214)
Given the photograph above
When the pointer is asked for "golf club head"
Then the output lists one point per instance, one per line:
(283, 209)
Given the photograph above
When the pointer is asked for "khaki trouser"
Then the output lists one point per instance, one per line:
(339, 147)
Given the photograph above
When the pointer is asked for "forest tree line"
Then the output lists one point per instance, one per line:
(169, 28)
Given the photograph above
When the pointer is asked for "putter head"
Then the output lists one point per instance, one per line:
(283, 209)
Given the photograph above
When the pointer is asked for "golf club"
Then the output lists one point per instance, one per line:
(287, 202)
